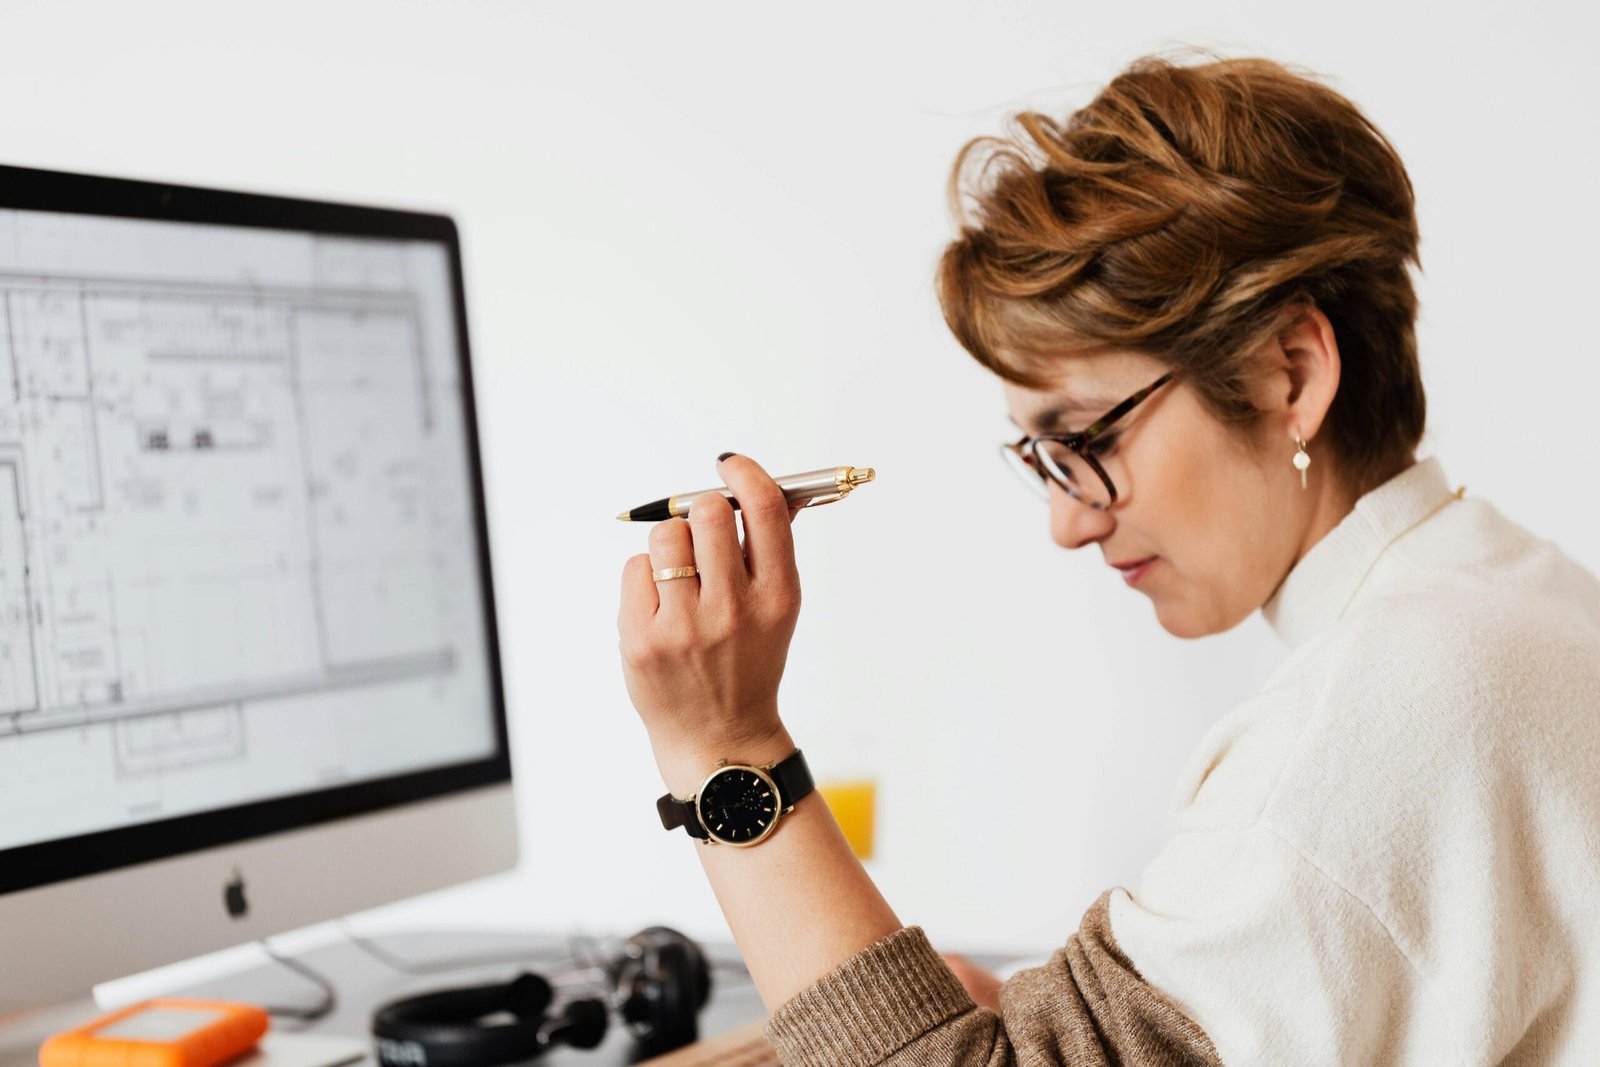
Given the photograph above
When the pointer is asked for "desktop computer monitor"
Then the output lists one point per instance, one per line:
(249, 677)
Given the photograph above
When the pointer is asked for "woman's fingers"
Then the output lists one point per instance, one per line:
(639, 597)
(715, 534)
(709, 541)
(671, 546)
(768, 541)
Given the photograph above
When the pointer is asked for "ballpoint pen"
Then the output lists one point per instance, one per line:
(806, 490)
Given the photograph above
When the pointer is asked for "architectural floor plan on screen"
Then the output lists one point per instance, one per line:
(236, 517)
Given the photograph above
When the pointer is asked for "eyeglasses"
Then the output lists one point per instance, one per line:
(1070, 459)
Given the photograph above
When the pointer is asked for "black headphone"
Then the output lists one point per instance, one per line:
(657, 985)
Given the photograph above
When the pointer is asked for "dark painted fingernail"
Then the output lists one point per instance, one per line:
(725, 455)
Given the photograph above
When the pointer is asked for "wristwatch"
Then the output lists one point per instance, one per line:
(738, 804)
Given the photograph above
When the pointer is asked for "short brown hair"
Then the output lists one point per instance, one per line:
(1190, 212)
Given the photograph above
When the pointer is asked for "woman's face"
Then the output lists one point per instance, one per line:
(1224, 522)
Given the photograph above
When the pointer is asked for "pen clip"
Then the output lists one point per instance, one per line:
(828, 499)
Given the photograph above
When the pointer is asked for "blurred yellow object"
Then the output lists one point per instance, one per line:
(853, 804)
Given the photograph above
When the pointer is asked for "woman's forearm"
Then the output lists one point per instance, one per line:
(800, 903)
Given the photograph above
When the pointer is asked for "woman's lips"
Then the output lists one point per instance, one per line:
(1133, 574)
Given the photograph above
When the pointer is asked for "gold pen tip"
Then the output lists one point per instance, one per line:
(623, 515)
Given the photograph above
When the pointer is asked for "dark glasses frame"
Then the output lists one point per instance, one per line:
(1027, 450)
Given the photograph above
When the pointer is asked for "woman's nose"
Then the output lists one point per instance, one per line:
(1073, 523)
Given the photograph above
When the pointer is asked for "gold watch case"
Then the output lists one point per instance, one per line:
(724, 767)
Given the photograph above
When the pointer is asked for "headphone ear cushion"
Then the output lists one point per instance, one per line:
(699, 969)
(673, 1022)
(664, 982)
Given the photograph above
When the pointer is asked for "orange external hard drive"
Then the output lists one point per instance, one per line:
(159, 1033)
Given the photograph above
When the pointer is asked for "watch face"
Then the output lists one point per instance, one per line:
(738, 805)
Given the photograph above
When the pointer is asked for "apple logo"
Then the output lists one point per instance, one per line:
(233, 896)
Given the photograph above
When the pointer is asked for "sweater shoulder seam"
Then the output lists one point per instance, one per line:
(1388, 931)
(1366, 906)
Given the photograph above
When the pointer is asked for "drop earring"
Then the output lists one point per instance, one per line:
(1302, 460)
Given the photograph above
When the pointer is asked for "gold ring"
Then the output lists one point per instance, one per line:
(666, 574)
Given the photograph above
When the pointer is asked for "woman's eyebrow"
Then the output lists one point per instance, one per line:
(1053, 416)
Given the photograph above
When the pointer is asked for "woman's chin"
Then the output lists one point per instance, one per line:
(1182, 620)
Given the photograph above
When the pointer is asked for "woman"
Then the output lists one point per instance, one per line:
(1196, 294)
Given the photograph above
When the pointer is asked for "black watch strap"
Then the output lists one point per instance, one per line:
(675, 813)
(790, 775)
(793, 778)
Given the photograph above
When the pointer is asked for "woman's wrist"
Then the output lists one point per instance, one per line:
(685, 762)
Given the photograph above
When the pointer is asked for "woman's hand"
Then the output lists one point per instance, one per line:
(983, 986)
(703, 656)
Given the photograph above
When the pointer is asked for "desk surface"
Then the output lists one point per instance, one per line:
(364, 981)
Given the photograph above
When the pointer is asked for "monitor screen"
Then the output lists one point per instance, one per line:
(243, 562)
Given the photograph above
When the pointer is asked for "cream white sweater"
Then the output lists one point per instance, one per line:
(1390, 855)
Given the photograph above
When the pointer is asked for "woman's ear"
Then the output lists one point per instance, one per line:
(1303, 372)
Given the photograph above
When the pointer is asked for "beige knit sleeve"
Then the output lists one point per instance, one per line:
(897, 1003)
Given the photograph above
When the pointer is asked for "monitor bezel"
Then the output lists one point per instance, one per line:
(47, 862)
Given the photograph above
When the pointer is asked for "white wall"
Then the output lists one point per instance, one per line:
(699, 227)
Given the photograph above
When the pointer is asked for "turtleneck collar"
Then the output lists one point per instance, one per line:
(1320, 586)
